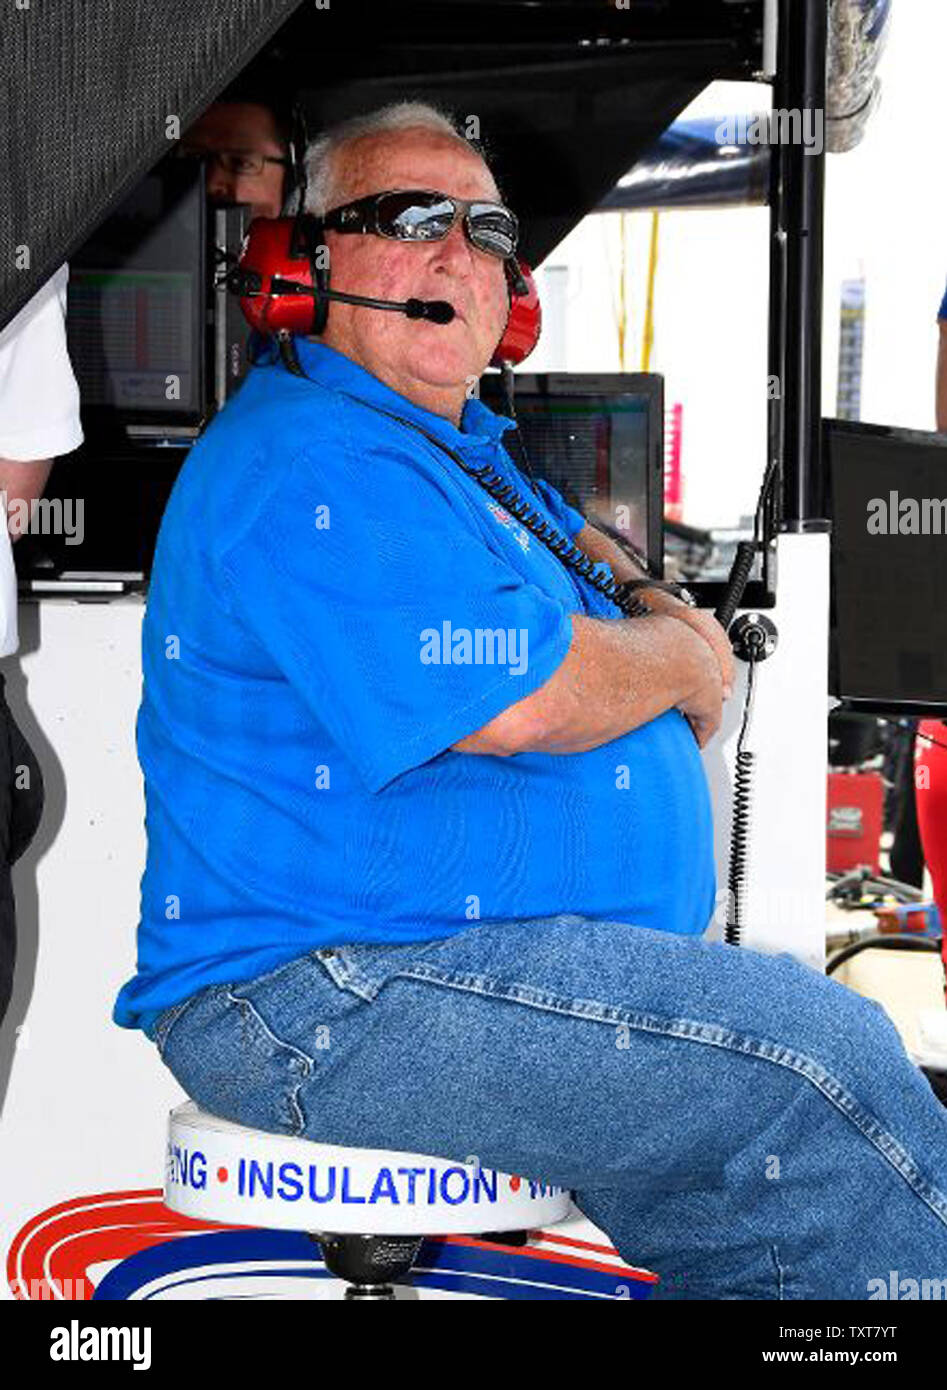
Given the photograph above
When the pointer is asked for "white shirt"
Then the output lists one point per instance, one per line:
(39, 410)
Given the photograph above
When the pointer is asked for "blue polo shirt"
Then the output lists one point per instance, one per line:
(334, 604)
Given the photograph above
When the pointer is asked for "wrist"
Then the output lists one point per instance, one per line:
(671, 599)
(684, 644)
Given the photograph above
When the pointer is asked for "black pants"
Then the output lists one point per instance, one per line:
(21, 807)
(906, 856)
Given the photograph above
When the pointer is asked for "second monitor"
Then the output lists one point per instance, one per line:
(599, 439)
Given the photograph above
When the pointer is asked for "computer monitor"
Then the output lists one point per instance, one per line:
(888, 505)
(137, 303)
(158, 345)
(599, 439)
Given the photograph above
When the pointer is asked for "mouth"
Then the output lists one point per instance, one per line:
(460, 310)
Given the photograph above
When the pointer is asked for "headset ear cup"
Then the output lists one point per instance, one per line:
(524, 320)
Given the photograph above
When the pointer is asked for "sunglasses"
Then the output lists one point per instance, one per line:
(423, 215)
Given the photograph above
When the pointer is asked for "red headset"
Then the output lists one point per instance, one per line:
(524, 324)
(278, 279)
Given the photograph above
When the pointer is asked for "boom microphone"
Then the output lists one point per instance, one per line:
(435, 310)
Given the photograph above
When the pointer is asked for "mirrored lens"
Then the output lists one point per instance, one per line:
(492, 228)
(423, 216)
(415, 217)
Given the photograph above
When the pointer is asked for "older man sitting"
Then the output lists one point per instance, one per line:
(413, 886)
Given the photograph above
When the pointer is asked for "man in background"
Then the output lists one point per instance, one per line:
(245, 139)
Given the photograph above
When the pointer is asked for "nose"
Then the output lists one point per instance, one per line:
(221, 186)
(455, 251)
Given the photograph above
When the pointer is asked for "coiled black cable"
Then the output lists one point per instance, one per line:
(739, 845)
(736, 584)
(570, 554)
(740, 824)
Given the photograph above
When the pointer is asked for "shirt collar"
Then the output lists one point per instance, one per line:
(332, 369)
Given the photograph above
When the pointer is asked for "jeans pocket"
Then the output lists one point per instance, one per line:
(166, 1021)
(224, 1054)
(362, 968)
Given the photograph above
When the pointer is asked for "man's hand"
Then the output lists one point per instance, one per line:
(705, 624)
(703, 709)
(598, 546)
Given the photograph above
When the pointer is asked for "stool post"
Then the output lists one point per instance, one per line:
(368, 1264)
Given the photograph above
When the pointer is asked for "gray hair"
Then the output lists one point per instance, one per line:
(322, 162)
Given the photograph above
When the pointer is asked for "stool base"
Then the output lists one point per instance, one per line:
(368, 1264)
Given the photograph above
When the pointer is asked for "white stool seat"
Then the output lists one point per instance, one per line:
(219, 1171)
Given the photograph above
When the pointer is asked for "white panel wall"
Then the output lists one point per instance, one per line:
(82, 1103)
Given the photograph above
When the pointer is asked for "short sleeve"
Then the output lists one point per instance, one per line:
(942, 311)
(39, 398)
(367, 579)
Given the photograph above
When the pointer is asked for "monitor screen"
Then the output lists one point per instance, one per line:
(158, 345)
(136, 305)
(599, 440)
(888, 505)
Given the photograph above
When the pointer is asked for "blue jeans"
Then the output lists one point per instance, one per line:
(737, 1123)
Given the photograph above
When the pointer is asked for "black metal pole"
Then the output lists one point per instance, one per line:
(796, 209)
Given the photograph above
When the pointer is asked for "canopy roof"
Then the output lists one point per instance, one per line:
(568, 93)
